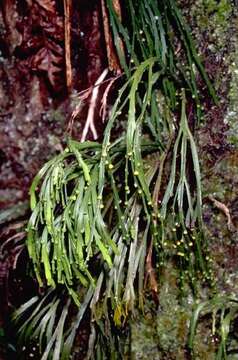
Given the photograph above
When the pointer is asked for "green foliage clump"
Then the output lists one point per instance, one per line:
(105, 214)
(223, 310)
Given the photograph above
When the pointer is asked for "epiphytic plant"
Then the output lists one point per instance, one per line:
(105, 213)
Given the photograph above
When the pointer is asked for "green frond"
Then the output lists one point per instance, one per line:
(223, 311)
(97, 208)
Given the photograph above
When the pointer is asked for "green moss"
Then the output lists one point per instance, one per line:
(211, 17)
(144, 339)
(219, 10)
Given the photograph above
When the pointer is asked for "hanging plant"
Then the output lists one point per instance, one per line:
(104, 214)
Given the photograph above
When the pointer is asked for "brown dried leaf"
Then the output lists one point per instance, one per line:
(48, 5)
(219, 205)
(46, 60)
(113, 62)
(117, 7)
(150, 273)
(14, 38)
(67, 41)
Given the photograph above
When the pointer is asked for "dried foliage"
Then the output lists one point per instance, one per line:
(42, 32)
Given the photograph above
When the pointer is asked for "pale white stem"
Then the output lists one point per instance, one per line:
(103, 109)
(89, 124)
